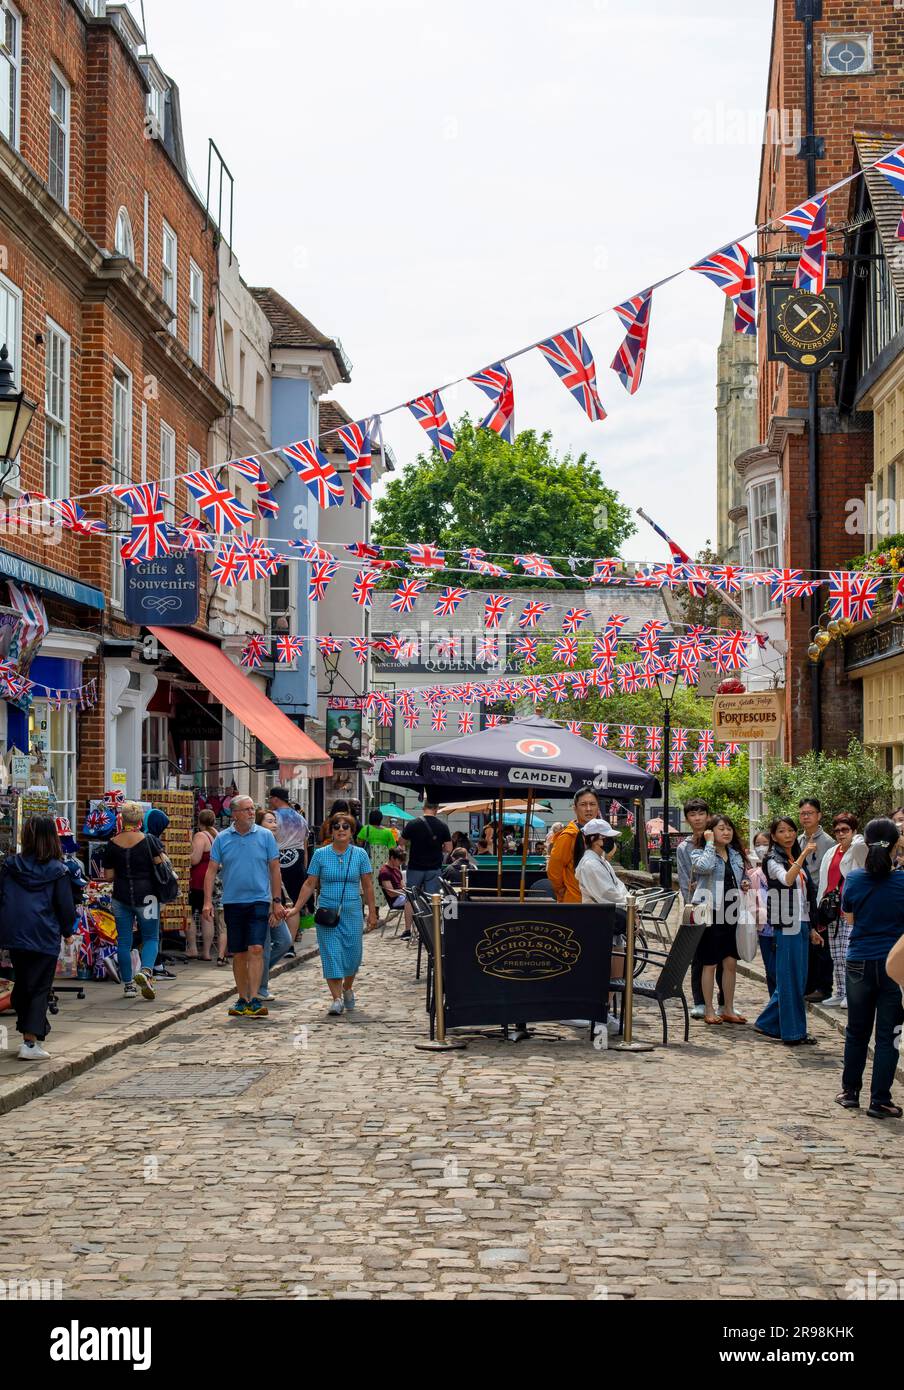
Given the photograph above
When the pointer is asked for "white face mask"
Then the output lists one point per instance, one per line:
(761, 851)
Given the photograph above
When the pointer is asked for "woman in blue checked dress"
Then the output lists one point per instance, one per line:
(341, 874)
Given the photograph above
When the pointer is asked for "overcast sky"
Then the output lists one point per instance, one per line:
(441, 185)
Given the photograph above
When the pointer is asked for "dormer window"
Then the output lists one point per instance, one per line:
(155, 101)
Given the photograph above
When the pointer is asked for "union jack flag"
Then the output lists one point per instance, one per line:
(356, 442)
(629, 360)
(726, 578)
(438, 720)
(363, 587)
(430, 413)
(699, 761)
(310, 550)
(222, 509)
(614, 624)
(496, 382)
(572, 361)
(732, 748)
(581, 684)
(565, 649)
(574, 726)
(360, 647)
(488, 648)
(676, 762)
(628, 677)
(493, 721)
(648, 671)
(318, 579)
(329, 645)
(603, 571)
(730, 650)
(411, 717)
(226, 566)
(604, 650)
(288, 649)
(468, 692)
(254, 652)
(697, 580)
(385, 712)
(532, 612)
(466, 723)
(448, 601)
(605, 682)
(852, 595)
(255, 560)
(494, 607)
(809, 221)
(426, 556)
(654, 736)
(362, 551)
(632, 756)
(484, 567)
(535, 689)
(315, 471)
(647, 644)
(526, 647)
(252, 469)
(790, 583)
(558, 689)
(72, 517)
(407, 594)
(148, 539)
(447, 646)
(705, 739)
(892, 166)
(601, 735)
(627, 735)
(679, 556)
(573, 619)
(679, 740)
(537, 565)
(722, 758)
(733, 271)
(898, 600)
(194, 535)
(654, 760)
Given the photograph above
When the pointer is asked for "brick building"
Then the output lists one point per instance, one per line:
(857, 59)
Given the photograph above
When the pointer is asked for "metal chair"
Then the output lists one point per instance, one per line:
(670, 984)
(654, 913)
(542, 889)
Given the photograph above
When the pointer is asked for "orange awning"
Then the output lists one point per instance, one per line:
(216, 672)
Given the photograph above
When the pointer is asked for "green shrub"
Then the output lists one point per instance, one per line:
(852, 781)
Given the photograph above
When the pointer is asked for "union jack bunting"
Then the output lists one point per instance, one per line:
(732, 748)
(494, 607)
(628, 677)
(628, 362)
(194, 535)
(356, 442)
(496, 382)
(809, 221)
(535, 689)
(254, 652)
(468, 692)
(603, 571)
(726, 578)
(430, 413)
(487, 648)
(722, 758)
(654, 760)
(466, 723)
(557, 689)
(898, 600)
(632, 756)
(790, 583)
(315, 471)
(426, 557)
(574, 726)
(329, 645)
(699, 761)
(697, 580)
(288, 649)
(411, 718)
(362, 551)
(705, 738)
(438, 720)
(648, 672)
(852, 595)
(614, 624)
(318, 579)
(532, 612)
(730, 651)
(565, 649)
(25, 503)
(679, 740)
(526, 648)
(605, 682)
(604, 650)
(492, 571)
(448, 646)
(226, 566)
(581, 684)
(73, 518)
(363, 586)
(493, 721)
(252, 469)
(407, 594)
(654, 737)
(385, 712)
(647, 644)
(148, 539)
(448, 600)
(574, 618)
(733, 271)
(601, 735)
(676, 762)
(537, 565)
(572, 361)
(310, 550)
(222, 509)
(892, 166)
(627, 736)
(360, 648)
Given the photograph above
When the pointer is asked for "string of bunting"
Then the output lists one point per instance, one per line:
(14, 686)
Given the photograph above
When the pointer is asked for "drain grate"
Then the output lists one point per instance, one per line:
(185, 1083)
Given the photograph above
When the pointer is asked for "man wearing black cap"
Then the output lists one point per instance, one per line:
(292, 839)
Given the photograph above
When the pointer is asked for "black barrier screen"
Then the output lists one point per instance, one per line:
(526, 962)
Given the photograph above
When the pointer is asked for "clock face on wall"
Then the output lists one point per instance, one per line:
(805, 328)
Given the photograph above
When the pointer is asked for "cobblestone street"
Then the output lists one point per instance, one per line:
(307, 1157)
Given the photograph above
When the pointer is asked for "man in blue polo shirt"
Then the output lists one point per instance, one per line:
(252, 898)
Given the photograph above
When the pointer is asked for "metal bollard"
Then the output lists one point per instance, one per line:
(626, 1043)
(440, 1043)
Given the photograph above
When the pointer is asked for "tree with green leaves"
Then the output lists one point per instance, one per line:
(724, 789)
(506, 499)
(851, 781)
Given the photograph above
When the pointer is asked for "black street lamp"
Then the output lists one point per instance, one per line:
(16, 411)
(666, 683)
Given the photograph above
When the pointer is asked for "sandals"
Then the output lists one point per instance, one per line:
(884, 1112)
(800, 1042)
(733, 1018)
(716, 1018)
(848, 1100)
(222, 960)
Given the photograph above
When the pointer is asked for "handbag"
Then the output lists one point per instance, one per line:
(746, 939)
(329, 916)
(164, 873)
(829, 910)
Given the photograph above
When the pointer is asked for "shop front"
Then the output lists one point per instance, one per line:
(874, 656)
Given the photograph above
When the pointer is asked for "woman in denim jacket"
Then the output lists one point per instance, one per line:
(720, 871)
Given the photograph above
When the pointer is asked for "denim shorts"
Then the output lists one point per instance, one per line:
(247, 924)
(427, 879)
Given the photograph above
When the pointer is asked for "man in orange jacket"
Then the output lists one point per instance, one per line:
(561, 866)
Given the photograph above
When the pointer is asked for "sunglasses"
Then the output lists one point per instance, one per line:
(342, 825)
(838, 828)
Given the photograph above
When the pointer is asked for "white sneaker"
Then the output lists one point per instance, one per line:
(348, 998)
(337, 1007)
(265, 995)
(145, 985)
(837, 1001)
(32, 1052)
(612, 1026)
(698, 1011)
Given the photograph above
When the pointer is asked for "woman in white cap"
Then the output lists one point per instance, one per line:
(599, 883)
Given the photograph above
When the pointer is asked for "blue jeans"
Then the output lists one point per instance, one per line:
(148, 918)
(426, 879)
(277, 944)
(767, 951)
(872, 997)
(785, 1016)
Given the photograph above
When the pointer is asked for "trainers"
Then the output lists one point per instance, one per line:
(256, 1009)
(266, 995)
(238, 1009)
(161, 973)
(32, 1052)
(337, 1007)
(698, 1011)
(130, 991)
(837, 1001)
(612, 1026)
(145, 984)
(348, 998)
